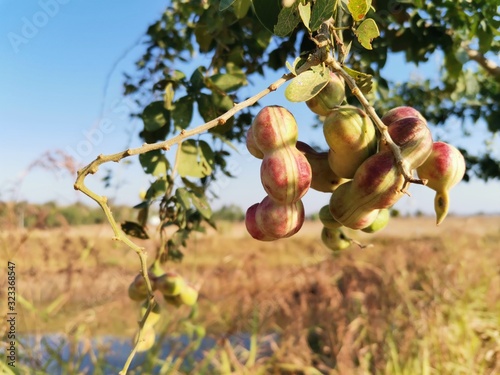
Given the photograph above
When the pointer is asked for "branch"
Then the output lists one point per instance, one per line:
(490, 66)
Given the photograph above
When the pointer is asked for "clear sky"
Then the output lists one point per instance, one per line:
(56, 56)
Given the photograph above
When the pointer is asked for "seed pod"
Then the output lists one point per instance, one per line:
(377, 184)
(334, 239)
(443, 169)
(351, 136)
(285, 174)
(274, 127)
(270, 221)
(322, 179)
(331, 96)
(408, 129)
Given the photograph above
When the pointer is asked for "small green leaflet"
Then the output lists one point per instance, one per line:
(363, 80)
(306, 85)
(154, 163)
(322, 10)
(305, 14)
(196, 159)
(288, 19)
(359, 8)
(154, 116)
(366, 32)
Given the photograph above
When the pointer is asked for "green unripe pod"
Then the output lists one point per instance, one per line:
(380, 221)
(335, 239)
(351, 136)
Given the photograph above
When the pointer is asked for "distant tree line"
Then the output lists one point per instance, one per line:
(51, 215)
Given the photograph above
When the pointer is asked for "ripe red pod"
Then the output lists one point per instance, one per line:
(408, 129)
(377, 184)
(443, 169)
(269, 221)
(274, 127)
(285, 175)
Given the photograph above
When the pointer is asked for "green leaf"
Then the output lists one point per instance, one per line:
(359, 8)
(157, 188)
(306, 85)
(288, 19)
(168, 96)
(206, 157)
(134, 229)
(366, 32)
(305, 14)
(228, 82)
(155, 116)
(363, 80)
(197, 79)
(267, 12)
(154, 163)
(224, 4)
(241, 7)
(184, 198)
(196, 159)
(322, 10)
(183, 112)
(201, 204)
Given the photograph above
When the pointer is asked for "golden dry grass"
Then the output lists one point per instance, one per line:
(422, 299)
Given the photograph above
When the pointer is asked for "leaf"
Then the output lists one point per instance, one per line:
(228, 82)
(363, 80)
(288, 19)
(206, 159)
(305, 14)
(168, 96)
(184, 198)
(201, 204)
(306, 85)
(322, 10)
(195, 159)
(155, 116)
(366, 32)
(359, 8)
(157, 188)
(154, 163)
(224, 4)
(267, 12)
(183, 112)
(134, 229)
(240, 8)
(197, 79)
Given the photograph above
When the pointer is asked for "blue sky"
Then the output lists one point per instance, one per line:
(56, 56)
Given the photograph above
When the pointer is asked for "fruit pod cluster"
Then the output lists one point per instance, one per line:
(285, 174)
(377, 184)
(175, 290)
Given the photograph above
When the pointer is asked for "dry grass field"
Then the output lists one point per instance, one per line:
(420, 300)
